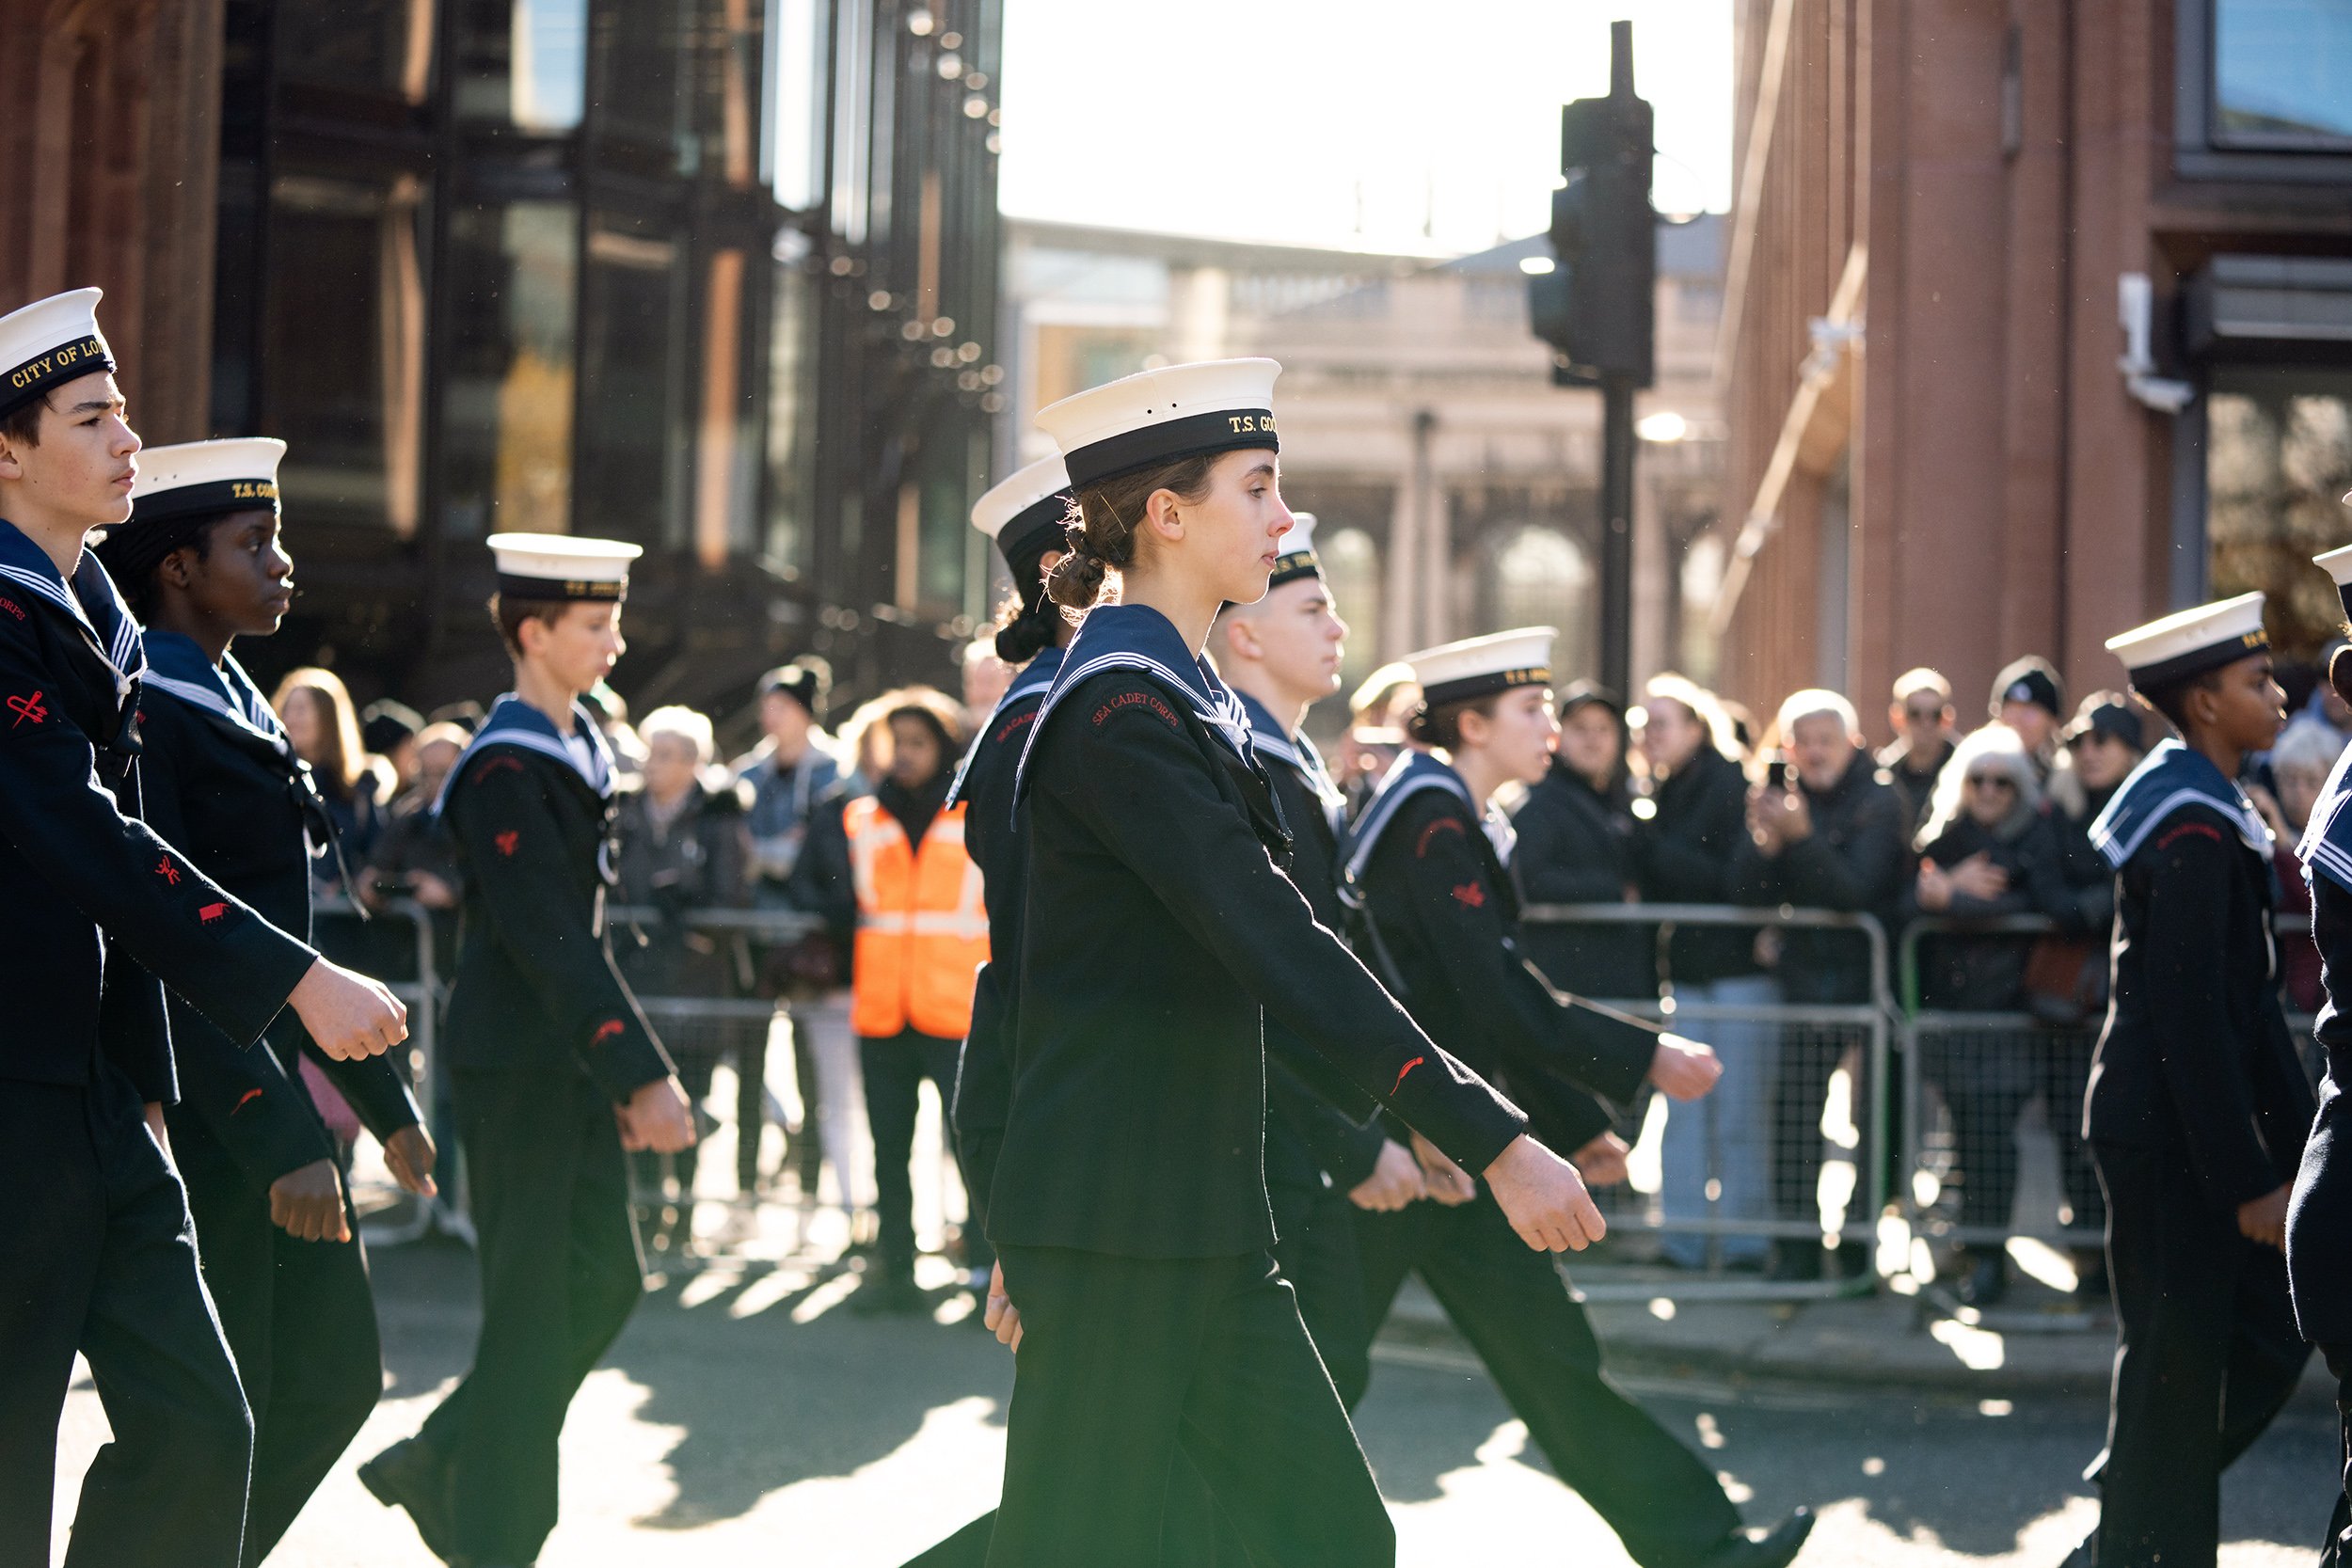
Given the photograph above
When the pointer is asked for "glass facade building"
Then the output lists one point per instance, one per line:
(717, 276)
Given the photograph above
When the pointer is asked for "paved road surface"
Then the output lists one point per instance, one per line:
(747, 1419)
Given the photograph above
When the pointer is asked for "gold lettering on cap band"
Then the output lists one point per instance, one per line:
(1262, 424)
(56, 361)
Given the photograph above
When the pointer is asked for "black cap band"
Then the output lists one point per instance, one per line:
(213, 497)
(1194, 435)
(22, 383)
(1472, 686)
(1290, 567)
(562, 590)
(2343, 592)
(2164, 673)
(1038, 527)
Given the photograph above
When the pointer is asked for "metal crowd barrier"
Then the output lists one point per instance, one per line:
(1771, 1174)
(395, 944)
(1971, 1179)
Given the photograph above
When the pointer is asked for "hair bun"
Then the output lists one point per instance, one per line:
(1076, 580)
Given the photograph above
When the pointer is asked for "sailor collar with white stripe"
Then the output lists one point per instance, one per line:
(93, 601)
(1267, 736)
(1033, 679)
(178, 666)
(2167, 778)
(515, 722)
(1137, 637)
(2327, 846)
(1410, 775)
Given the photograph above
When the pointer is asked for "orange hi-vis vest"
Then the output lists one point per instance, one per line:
(922, 931)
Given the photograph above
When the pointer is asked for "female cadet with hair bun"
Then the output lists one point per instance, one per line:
(1129, 1205)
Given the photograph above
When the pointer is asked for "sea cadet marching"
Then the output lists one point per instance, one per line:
(555, 1070)
(2198, 1107)
(2319, 1212)
(1426, 869)
(102, 1259)
(1129, 1205)
(202, 565)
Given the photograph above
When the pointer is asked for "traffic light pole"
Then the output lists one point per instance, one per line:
(1617, 533)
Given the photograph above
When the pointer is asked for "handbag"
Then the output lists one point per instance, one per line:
(2066, 982)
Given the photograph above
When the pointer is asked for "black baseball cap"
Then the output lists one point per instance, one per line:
(2029, 680)
(2106, 713)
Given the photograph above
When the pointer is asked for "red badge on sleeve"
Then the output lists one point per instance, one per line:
(169, 872)
(506, 841)
(26, 707)
(605, 1031)
(211, 913)
(1471, 894)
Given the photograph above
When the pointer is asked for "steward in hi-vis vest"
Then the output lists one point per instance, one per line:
(922, 930)
(922, 936)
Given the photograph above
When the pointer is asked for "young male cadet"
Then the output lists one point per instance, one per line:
(556, 1072)
(94, 910)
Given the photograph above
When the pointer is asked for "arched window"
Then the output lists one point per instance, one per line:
(1539, 577)
(1351, 564)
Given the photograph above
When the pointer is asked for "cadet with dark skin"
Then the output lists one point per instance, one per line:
(2198, 1106)
(280, 1251)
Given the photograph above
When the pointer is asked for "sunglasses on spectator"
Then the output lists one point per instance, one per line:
(1992, 781)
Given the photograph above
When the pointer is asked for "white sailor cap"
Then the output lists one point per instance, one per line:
(1215, 405)
(234, 475)
(1294, 552)
(561, 567)
(2191, 641)
(47, 343)
(1025, 513)
(1482, 666)
(2337, 564)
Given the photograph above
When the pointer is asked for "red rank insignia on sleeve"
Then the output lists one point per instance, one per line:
(26, 707)
(1470, 893)
(169, 872)
(211, 912)
(605, 1031)
(506, 841)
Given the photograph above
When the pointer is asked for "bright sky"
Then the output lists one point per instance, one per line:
(1349, 124)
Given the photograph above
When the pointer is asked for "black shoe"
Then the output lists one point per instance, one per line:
(1986, 1282)
(888, 1295)
(1776, 1549)
(411, 1476)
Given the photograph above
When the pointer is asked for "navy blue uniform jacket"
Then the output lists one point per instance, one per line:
(234, 802)
(94, 906)
(1158, 931)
